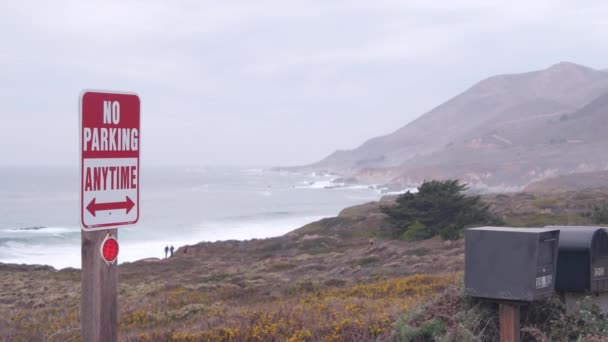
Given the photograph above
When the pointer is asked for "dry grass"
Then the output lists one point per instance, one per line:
(364, 311)
(360, 312)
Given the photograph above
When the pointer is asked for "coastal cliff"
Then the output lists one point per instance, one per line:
(339, 278)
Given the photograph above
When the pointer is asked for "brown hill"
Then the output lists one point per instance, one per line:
(571, 182)
(506, 131)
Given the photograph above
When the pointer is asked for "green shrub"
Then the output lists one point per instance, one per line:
(451, 232)
(438, 208)
(454, 317)
(429, 331)
(416, 231)
(460, 334)
(550, 318)
(599, 214)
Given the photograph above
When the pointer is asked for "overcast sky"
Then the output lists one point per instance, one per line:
(266, 82)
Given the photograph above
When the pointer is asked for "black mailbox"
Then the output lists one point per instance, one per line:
(515, 264)
(582, 262)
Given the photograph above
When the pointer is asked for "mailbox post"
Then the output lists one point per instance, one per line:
(511, 266)
(582, 265)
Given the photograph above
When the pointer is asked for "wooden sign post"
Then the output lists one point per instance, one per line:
(99, 298)
(109, 198)
(509, 315)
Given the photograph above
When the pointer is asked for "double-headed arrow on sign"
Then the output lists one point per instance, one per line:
(94, 207)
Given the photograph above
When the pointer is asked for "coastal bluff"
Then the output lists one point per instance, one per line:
(339, 276)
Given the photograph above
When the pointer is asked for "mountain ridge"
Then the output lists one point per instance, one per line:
(503, 116)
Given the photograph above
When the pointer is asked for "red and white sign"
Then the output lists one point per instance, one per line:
(109, 156)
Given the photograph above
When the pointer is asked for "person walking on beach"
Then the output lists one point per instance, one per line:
(166, 251)
(172, 249)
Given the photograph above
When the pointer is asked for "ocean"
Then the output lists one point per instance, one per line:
(39, 209)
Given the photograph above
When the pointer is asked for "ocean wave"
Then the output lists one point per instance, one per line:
(385, 191)
(359, 187)
(325, 184)
(58, 255)
(252, 171)
(66, 252)
(41, 230)
(252, 229)
(29, 228)
(332, 184)
(322, 174)
(258, 216)
(12, 242)
(336, 184)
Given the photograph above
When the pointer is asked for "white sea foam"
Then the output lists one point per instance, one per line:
(332, 184)
(57, 255)
(239, 230)
(136, 246)
(324, 184)
(132, 250)
(358, 187)
(253, 171)
(42, 230)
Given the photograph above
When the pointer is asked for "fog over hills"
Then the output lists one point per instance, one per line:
(505, 131)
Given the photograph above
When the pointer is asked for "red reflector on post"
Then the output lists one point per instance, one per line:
(109, 249)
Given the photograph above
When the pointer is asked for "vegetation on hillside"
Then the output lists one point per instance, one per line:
(599, 214)
(525, 209)
(438, 208)
(305, 312)
(343, 278)
(453, 317)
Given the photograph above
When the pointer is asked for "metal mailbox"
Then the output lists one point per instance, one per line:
(515, 264)
(582, 262)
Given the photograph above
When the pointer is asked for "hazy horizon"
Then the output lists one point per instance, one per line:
(266, 84)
